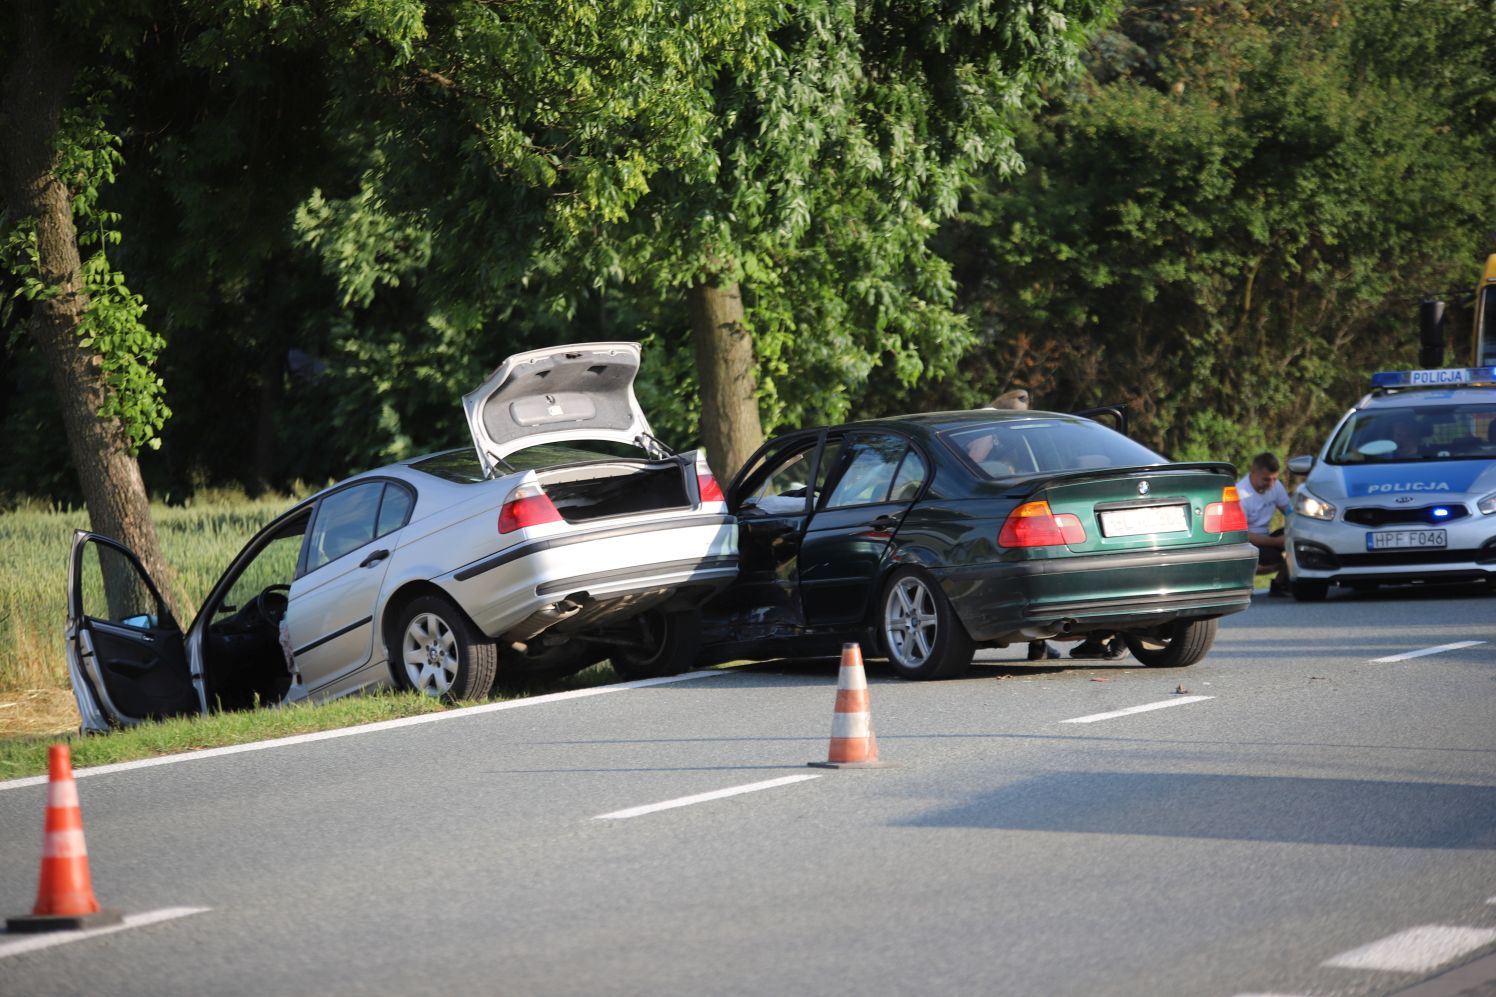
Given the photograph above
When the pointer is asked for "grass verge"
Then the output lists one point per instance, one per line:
(27, 755)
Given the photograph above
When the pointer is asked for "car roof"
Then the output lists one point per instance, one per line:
(937, 422)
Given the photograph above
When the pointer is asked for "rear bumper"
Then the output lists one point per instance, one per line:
(1025, 600)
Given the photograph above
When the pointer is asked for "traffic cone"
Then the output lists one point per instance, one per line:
(853, 745)
(64, 894)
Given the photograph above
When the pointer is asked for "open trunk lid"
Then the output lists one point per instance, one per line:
(579, 392)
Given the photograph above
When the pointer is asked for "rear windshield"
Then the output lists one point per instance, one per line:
(1417, 433)
(1046, 446)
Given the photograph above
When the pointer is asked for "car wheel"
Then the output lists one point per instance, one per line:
(667, 645)
(1310, 589)
(1186, 642)
(441, 653)
(920, 634)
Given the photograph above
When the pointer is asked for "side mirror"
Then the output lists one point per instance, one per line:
(1301, 464)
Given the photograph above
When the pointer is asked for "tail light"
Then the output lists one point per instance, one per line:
(706, 482)
(1034, 525)
(1225, 516)
(527, 505)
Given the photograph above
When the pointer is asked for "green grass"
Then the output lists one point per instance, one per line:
(198, 539)
(24, 756)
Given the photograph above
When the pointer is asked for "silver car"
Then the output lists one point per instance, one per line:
(569, 534)
(1405, 488)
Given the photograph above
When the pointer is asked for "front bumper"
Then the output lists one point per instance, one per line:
(1027, 600)
(1336, 553)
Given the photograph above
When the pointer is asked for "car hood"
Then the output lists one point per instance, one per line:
(579, 392)
(1426, 479)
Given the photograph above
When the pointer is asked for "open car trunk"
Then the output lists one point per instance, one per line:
(582, 493)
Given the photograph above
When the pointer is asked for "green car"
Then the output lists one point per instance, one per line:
(925, 537)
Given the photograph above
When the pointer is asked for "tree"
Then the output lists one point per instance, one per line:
(777, 168)
(84, 321)
(1230, 222)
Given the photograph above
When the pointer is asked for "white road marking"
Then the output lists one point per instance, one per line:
(16, 944)
(717, 794)
(1417, 950)
(1160, 705)
(1428, 650)
(327, 735)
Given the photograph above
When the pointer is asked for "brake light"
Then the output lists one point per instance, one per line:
(1226, 515)
(527, 505)
(706, 481)
(1033, 524)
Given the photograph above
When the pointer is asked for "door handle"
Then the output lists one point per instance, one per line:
(886, 522)
(374, 558)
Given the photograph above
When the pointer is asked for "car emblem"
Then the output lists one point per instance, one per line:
(1403, 499)
(1142, 488)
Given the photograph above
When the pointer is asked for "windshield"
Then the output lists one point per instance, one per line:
(1417, 433)
(1046, 446)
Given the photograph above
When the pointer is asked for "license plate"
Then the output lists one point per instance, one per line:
(1148, 519)
(1401, 539)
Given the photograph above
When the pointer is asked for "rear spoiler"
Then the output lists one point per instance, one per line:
(1097, 473)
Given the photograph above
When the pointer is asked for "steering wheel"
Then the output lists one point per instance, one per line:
(270, 605)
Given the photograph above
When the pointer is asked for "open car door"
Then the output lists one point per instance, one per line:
(127, 657)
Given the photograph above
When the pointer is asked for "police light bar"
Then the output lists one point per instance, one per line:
(1433, 378)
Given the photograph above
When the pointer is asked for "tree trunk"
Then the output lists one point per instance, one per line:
(730, 424)
(31, 101)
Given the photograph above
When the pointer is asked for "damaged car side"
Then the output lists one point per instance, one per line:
(566, 536)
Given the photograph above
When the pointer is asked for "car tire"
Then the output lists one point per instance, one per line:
(1310, 590)
(669, 645)
(1186, 642)
(439, 652)
(918, 631)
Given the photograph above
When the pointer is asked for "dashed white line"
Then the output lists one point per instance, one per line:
(1162, 704)
(31, 943)
(1428, 650)
(1417, 950)
(686, 801)
(327, 735)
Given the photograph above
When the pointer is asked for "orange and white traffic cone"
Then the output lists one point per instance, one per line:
(852, 742)
(64, 894)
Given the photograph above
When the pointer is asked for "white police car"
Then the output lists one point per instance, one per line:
(1405, 489)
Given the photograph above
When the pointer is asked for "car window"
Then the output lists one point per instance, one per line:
(345, 522)
(394, 509)
(273, 564)
(911, 477)
(113, 589)
(1046, 446)
(1416, 433)
(872, 462)
(570, 452)
(784, 489)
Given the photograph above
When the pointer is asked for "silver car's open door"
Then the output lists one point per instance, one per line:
(579, 392)
(126, 654)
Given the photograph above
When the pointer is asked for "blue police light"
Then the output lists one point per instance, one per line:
(1445, 377)
(1439, 512)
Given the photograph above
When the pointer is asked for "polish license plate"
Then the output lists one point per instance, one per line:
(1147, 519)
(1403, 539)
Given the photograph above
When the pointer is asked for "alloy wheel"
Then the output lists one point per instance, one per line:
(430, 653)
(910, 623)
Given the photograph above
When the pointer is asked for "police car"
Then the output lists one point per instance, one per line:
(1405, 489)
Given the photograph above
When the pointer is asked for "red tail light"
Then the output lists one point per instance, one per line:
(1034, 525)
(527, 505)
(1226, 515)
(706, 482)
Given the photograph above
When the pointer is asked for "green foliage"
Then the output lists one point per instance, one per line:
(112, 324)
(1231, 221)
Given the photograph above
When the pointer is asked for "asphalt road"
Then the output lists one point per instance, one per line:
(1324, 823)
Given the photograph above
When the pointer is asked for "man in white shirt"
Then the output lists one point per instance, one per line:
(1260, 492)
